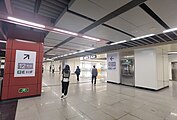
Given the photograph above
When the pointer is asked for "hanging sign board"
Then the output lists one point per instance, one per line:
(25, 63)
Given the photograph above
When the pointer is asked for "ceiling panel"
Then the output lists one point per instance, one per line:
(86, 42)
(49, 44)
(57, 36)
(110, 5)
(122, 24)
(75, 46)
(137, 17)
(136, 22)
(72, 22)
(107, 33)
(152, 27)
(88, 8)
(166, 9)
(55, 41)
(96, 9)
(56, 53)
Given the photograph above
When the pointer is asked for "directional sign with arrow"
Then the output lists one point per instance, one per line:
(112, 61)
(25, 62)
(26, 56)
(111, 58)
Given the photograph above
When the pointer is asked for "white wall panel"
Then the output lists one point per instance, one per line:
(151, 67)
(145, 68)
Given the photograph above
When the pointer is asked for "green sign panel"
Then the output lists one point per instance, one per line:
(23, 90)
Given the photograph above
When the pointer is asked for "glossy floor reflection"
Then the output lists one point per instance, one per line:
(100, 102)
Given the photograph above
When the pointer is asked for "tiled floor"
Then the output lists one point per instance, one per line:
(101, 102)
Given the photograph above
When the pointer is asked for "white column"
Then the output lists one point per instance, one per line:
(151, 68)
(113, 65)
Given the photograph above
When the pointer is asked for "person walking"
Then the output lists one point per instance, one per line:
(94, 74)
(53, 68)
(59, 69)
(77, 72)
(50, 68)
(65, 81)
(42, 68)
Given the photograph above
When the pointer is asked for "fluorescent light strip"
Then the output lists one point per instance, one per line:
(64, 31)
(81, 51)
(142, 37)
(25, 41)
(170, 30)
(47, 47)
(90, 49)
(26, 22)
(40, 26)
(172, 52)
(75, 53)
(2, 41)
(90, 38)
(118, 42)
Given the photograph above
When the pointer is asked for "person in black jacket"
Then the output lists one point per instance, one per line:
(77, 72)
(65, 81)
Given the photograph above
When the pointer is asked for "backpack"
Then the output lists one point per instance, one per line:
(77, 71)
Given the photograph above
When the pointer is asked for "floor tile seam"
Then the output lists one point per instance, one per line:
(135, 116)
(152, 102)
(78, 116)
(113, 116)
(149, 112)
(127, 95)
(84, 114)
(117, 102)
(136, 109)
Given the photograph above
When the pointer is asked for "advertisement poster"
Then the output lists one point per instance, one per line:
(111, 59)
(25, 63)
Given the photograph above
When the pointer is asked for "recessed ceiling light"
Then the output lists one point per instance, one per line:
(90, 38)
(118, 42)
(172, 52)
(2, 41)
(89, 49)
(81, 51)
(170, 30)
(143, 37)
(24, 41)
(65, 31)
(47, 47)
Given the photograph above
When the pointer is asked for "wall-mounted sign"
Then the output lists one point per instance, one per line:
(23, 90)
(111, 59)
(25, 63)
(88, 57)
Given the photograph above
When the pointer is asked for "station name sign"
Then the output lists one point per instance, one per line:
(89, 57)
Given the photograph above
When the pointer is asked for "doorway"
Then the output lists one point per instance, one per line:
(127, 68)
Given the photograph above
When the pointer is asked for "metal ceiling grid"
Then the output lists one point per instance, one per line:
(106, 18)
(48, 8)
(166, 9)
(153, 40)
(27, 5)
